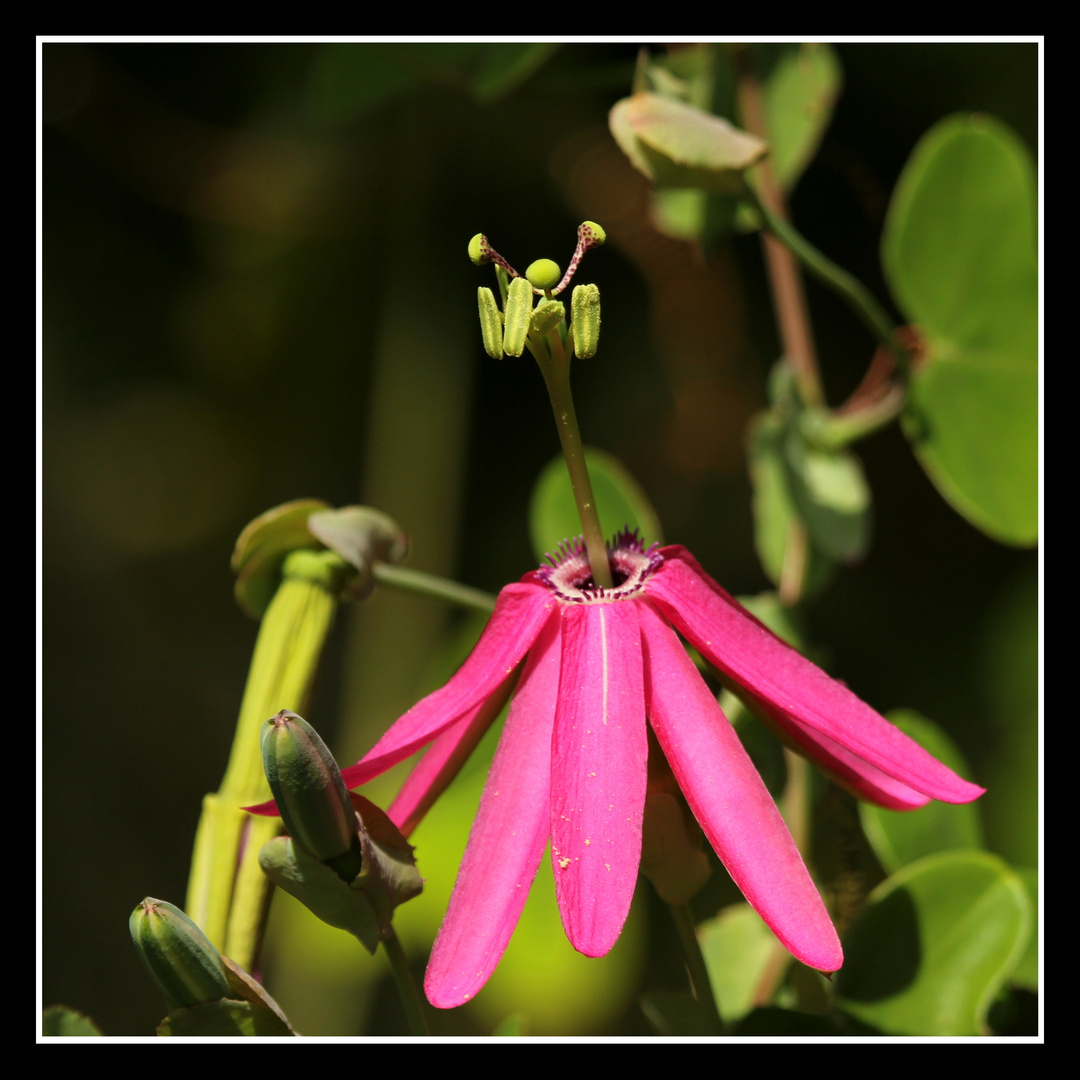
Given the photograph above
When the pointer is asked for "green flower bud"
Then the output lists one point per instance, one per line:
(479, 251)
(543, 274)
(311, 795)
(490, 323)
(177, 954)
(519, 301)
(547, 316)
(585, 320)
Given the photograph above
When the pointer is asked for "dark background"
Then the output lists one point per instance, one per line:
(255, 288)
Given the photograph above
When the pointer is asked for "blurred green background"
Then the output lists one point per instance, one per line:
(256, 289)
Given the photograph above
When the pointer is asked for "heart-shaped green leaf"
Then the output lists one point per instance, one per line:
(934, 945)
(959, 253)
(901, 837)
(620, 502)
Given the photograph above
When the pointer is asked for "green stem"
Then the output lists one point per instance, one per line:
(556, 374)
(400, 577)
(695, 962)
(410, 996)
(840, 281)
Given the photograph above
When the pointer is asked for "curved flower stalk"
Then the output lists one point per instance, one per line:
(597, 665)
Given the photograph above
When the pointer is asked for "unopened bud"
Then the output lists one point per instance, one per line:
(490, 324)
(311, 795)
(585, 320)
(548, 315)
(519, 300)
(177, 954)
(543, 274)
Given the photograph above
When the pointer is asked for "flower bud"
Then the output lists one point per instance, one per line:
(548, 315)
(590, 235)
(543, 274)
(177, 954)
(518, 316)
(310, 793)
(585, 320)
(490, 324)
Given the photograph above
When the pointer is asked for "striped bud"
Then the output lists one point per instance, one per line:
(548, 315)
(490, 323)
(519, 301)
(311, 795)
(585, 320)
(177, 954)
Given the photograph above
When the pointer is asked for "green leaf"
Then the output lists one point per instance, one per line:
(62, 1020)
(212, 1018)
(1027, 971)
(771, 1020)
(901, 837)
(620, 502)
(674, 1012)
(506, 65)
(798, 93)
(737, 947)
(679, 146)
(262, 547)
(937, 940)
(959, 253)
(831, 495)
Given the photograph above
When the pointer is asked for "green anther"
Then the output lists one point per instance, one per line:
(543, 274)
(548, 315)
(478, 249)
(519, 301)
(490, 323)
(585, 320)
(310, 793)
(177, 954)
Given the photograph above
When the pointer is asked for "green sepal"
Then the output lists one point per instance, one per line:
(321, 891)
(261, 549)
(178, 955)
(364, 907)
(519, 305)
(585, 320)
(547, 316)
(310, 793)
(490, 323)
(248, 1010)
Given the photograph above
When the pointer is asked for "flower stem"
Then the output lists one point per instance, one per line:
(400, 577)
(410, 996)
(556, 372)
(840, 281)
(695, 962)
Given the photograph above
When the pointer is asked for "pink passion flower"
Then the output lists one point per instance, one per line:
(599, 664)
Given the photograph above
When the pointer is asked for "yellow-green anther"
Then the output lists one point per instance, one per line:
(585, 320)
(490, 323)
(311, 795)
(548, 315)
(519, 300)
(543, 274)
(479, 251)
(177, 954)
